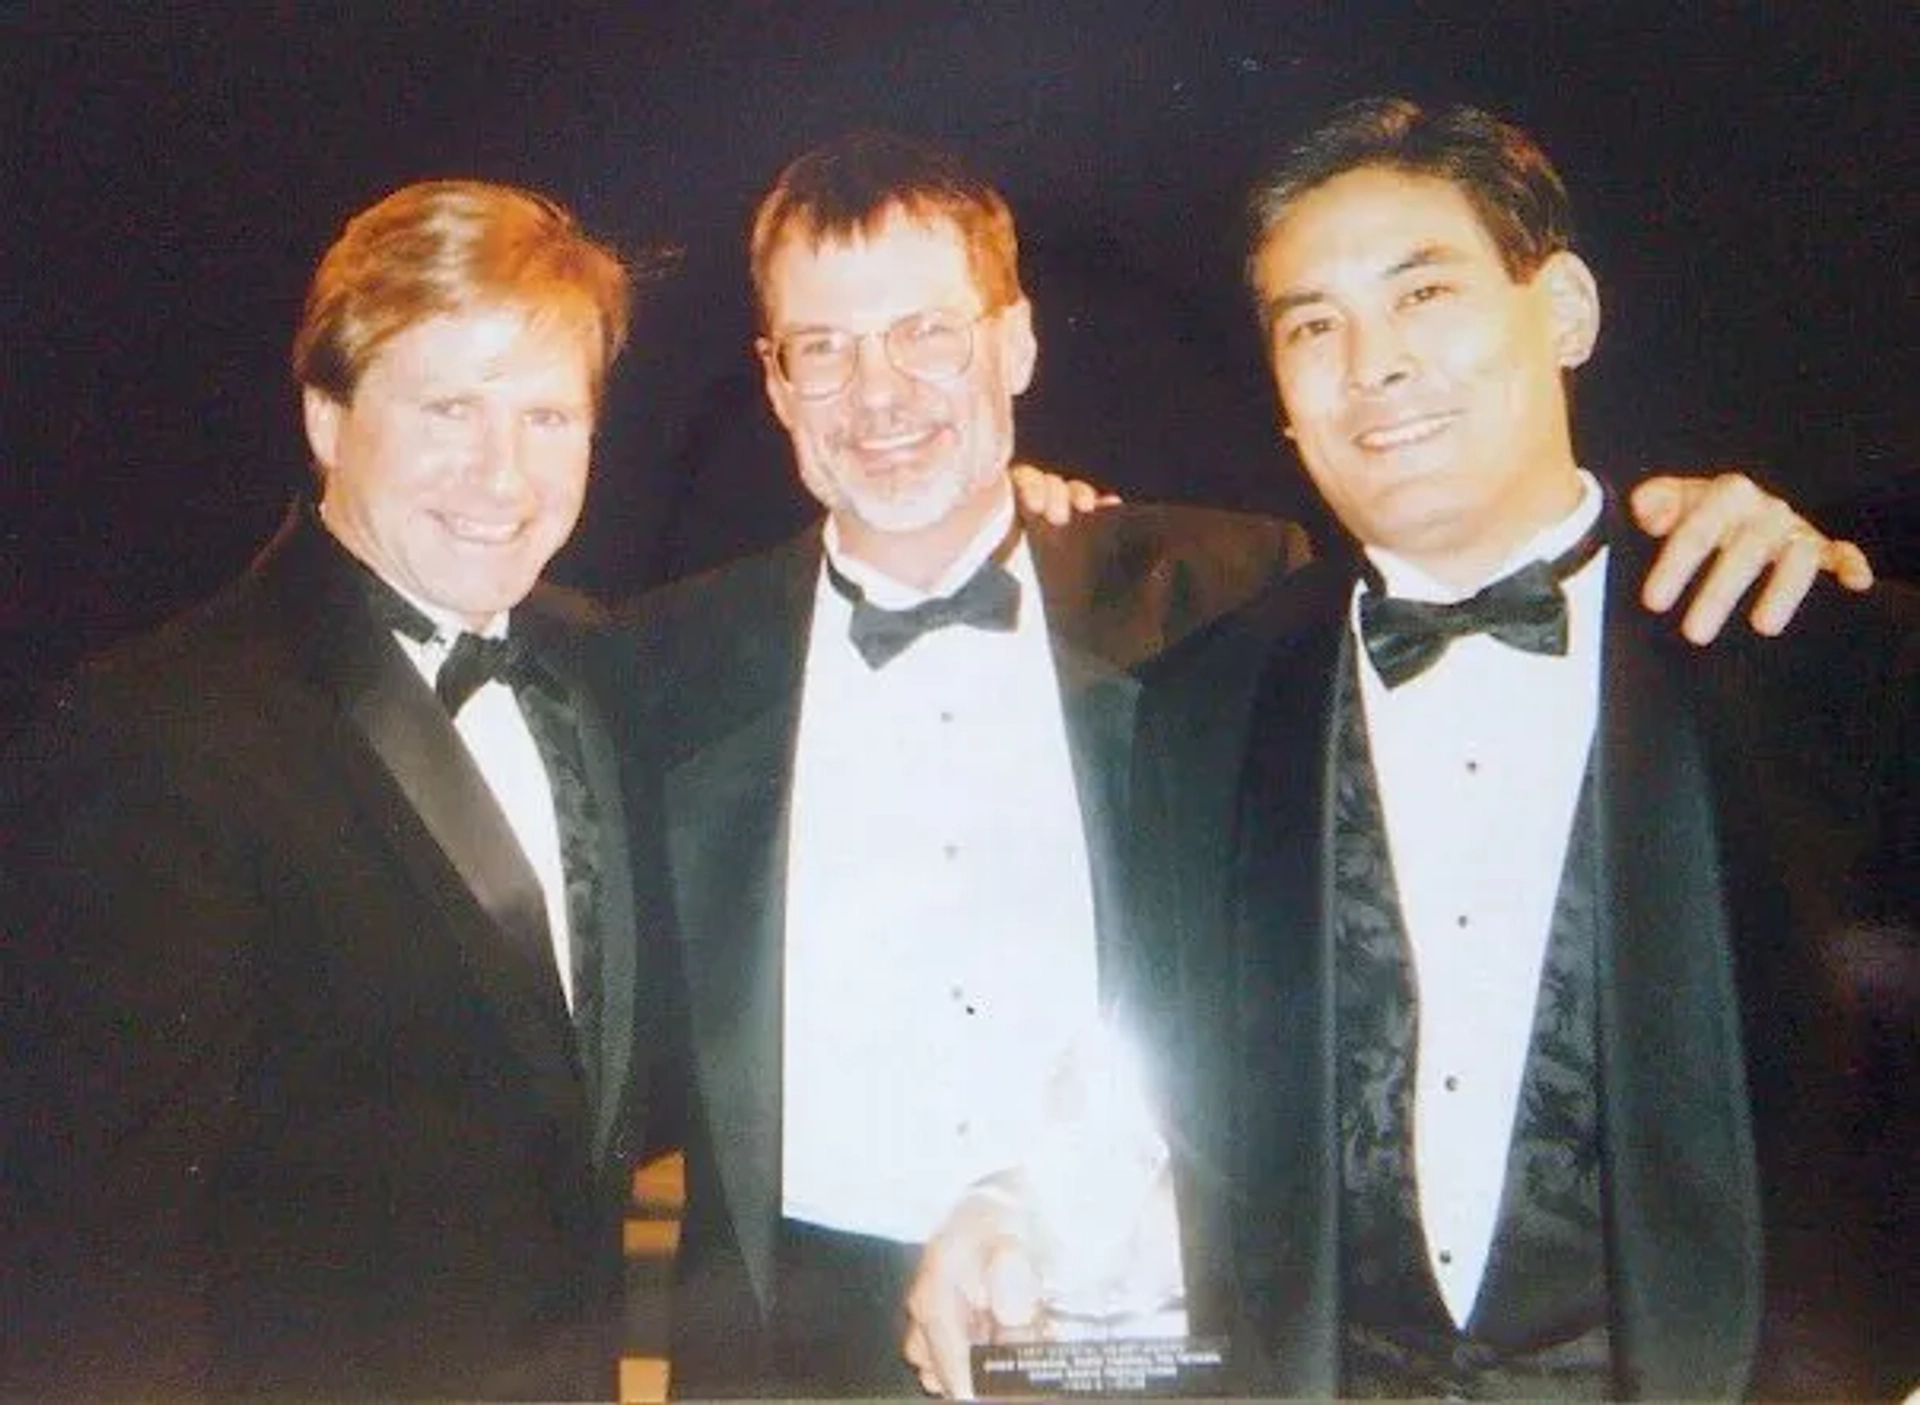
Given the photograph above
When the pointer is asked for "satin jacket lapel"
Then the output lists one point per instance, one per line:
(727, 805)
(1097, 697)
(1119, 586)
(619, 946)
(1681, 1180)
(1285, 1217)
(401, 754)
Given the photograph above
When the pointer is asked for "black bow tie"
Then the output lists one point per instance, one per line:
(474, 661)
(1527, 610)
(471, 662)
(990, 599)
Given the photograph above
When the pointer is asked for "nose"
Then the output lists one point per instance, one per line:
(875, 378)
(495, 464)
(1377, 355)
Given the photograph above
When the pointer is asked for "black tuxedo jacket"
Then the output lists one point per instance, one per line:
(1758, 809)
(711, 673)
(292, 1099)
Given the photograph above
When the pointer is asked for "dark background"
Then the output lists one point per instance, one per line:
(1743, 175)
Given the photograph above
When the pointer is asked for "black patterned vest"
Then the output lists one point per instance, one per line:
(1539, 1326)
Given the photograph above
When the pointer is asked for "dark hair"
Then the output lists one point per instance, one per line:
(850, 186)
(1504, 175)
(447, 246)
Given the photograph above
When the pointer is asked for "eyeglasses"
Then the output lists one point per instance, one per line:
(816, 362)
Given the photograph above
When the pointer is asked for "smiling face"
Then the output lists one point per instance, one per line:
(1420, 381)
(459, 466)
(910, 468)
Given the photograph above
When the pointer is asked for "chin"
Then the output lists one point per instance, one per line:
(1413, 464)
(1433, 539)
(916, 510)
(1419, 493)
(496, 597)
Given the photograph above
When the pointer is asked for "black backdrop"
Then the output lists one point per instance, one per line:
(1743, 174)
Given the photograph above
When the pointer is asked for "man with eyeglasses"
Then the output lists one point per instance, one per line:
(889, 762)
(881, 747)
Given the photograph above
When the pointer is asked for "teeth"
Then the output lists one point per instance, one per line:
(486, 533)
(1409, 432)
(892, 443)
(890, 446)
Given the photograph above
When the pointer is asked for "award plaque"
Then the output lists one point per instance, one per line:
(1105, 1237)
(1124, 1366)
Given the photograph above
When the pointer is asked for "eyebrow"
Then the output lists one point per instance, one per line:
(1427, 256)
(1423, 256)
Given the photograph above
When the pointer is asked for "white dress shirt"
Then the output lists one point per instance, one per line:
(1480, 760)
(496, 736)
(940, 945)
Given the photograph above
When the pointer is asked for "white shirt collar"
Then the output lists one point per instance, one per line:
(447, 626)
(888, 593)
(1403, 578)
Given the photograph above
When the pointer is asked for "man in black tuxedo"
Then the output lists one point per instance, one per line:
(320, 990)
(885, 849)
(1530, 993)
(889, 762)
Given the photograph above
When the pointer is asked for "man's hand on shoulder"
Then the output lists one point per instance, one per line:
(1055, 498)
(1737, 532)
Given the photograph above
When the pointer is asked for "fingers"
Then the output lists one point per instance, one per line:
(943, 1365)
(1795, 568)
(938, 1342)
(1770, 536)
(1085, 498)
(1058, 499)
(930, 1383)
(1057, 506)
(1656, 504)
(1727, 533)
(1848, 564)
(1693, 515)
(1798, 564)
(946, 1304)
(976, 1283)
(1042, 493)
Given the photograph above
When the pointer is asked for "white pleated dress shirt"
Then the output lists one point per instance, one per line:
(940, 946)
(1480, 761)
(496, 737)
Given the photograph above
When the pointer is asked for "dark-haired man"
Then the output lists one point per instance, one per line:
(1508, 966)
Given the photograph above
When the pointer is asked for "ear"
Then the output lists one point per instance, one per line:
(322, 414)
(1573, 306)
(779, 395)
(1019, 348)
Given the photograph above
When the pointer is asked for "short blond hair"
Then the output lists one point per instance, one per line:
(451, 246)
